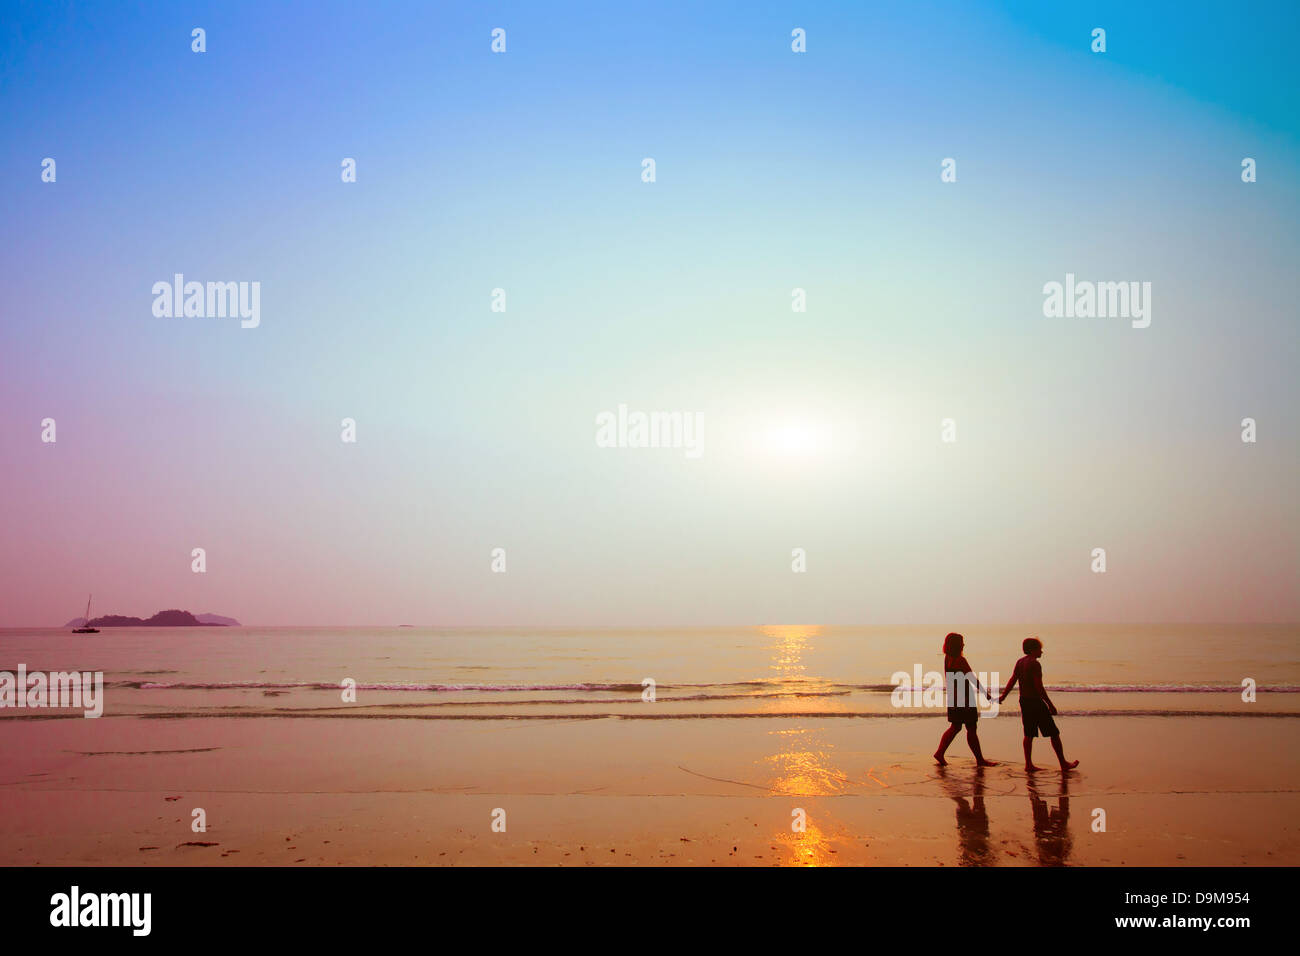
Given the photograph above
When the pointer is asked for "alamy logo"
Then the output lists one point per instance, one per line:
(1100, 300)
(77, 689)
(626, 429)
(103, 909)
(934, 689)
(211, 300)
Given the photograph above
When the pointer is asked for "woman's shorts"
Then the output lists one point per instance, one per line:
(963, 715)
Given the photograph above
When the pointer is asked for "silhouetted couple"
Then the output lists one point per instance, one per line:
(1036, 708)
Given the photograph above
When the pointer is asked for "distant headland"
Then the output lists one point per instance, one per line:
(169, 618)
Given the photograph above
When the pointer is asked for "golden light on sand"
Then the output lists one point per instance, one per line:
(801, 765)
(810, 848)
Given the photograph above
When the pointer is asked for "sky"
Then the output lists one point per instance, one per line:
(821, 430)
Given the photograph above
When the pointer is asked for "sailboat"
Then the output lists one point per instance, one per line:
(85, 627)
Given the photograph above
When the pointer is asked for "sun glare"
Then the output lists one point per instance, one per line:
(795, 439)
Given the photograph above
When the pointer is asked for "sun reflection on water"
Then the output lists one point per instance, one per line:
(802, 761)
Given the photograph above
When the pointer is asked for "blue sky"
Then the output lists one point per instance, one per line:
(775, 170)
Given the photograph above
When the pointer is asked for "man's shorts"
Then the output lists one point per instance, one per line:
(1036, 718)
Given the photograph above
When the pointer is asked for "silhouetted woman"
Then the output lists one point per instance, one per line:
(962, 712)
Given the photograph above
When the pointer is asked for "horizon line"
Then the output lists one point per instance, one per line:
(690, 626)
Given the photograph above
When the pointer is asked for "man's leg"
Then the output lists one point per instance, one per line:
(1029, 754)
(1060, 754)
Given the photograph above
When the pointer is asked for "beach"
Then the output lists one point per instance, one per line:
(549, 736)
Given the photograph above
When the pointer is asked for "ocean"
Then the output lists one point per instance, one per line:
(520, 673)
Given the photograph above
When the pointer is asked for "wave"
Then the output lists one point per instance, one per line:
(1123, 688)
(593, 686)
(810, 715)
(1169, 689)
(643, 712)
(624, 687)
(383, 685)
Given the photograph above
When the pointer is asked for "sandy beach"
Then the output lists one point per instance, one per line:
(617, 791)
(361, 746)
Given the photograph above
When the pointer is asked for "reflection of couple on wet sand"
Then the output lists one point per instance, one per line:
(1036, 708)
(1051, 824)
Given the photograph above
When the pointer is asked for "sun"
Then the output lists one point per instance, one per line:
(795, 439)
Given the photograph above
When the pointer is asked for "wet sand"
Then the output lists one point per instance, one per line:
(1175, 790)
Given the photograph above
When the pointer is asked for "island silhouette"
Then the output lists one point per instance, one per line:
(168, 618)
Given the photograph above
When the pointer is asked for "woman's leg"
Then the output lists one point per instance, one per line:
(973, 740)
(944, 741)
